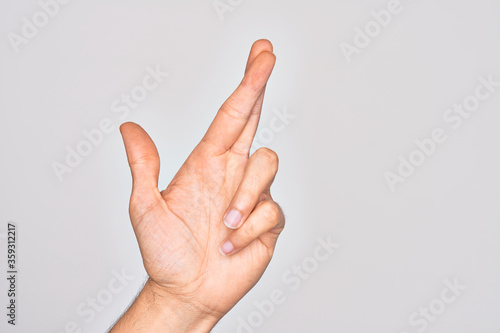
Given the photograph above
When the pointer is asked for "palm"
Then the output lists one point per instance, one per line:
(180, 229)
(180, 237)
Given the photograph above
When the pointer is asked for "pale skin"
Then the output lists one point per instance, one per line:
(208, 237)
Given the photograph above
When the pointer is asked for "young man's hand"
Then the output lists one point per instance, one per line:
(208, 237)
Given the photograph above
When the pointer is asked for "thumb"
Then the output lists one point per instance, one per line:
(142, 157)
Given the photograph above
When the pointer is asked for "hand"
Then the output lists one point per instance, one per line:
(208, 237)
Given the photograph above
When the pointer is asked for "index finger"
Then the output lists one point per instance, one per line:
(235, 112)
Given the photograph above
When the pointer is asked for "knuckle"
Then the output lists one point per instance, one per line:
(248, 193)
(250, 84)
(144, 160)
(230, 108)
(270, 212)
(269, 156)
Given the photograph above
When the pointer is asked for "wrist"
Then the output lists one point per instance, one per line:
(179, 311)
(156, 310)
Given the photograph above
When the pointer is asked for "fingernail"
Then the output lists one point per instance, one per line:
(226, 248)
(232, 219)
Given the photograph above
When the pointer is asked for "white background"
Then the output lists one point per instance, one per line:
(352, 122)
